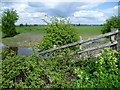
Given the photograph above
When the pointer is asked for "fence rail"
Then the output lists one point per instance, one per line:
(116, 42)
(95, 48)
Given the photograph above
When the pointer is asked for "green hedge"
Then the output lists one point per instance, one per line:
(61, 72)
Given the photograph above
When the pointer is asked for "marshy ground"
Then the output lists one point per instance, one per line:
(23, 40)
(31, 35)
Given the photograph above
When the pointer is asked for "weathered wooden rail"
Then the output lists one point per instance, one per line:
(114, 42)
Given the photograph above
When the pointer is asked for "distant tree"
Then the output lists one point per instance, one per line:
(26, 24)
(21, 25)
(0, 20)
(112, 22)
(78, 24)
(35, 25)
(9, 17)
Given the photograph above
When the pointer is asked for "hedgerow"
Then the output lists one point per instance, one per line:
(61, 72)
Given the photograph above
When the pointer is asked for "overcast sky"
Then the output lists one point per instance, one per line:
(79, 11)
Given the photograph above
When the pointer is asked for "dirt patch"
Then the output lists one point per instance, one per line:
(23, 39)
(29, 35)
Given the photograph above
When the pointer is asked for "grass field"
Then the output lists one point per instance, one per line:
(84, 31)
(30, 34)
(31, 29)
(88, 31)
(0, 34)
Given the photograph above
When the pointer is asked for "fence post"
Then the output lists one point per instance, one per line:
(80, 40)
(114, 38)
(80, 47)
(54, 46)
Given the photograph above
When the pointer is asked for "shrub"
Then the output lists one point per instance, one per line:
(21, 25)
(9, 17)
(61, 72)
(112, 22)
(59, 32)
(36, 72)
(99, 72)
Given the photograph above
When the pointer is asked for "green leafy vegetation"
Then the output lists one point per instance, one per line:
(112, 22)
(99, 72)
(58, 32)
(61, 72)
(9, 17)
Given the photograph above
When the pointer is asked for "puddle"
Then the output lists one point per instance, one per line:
(87, 43)
(27, 51)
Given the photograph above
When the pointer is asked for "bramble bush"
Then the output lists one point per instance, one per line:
(61, 72)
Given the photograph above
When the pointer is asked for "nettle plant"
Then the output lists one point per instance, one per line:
(59, 32)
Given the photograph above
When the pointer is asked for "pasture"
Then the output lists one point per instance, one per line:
(88, 31)
(32, 34)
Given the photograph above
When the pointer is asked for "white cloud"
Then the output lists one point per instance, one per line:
(86, 16)
(19, 7)
(82, 20)
(31, 18)
(89, 5)
(31, 14)
(113, 10)
(26, 16)
(83, 13)
(36, 14)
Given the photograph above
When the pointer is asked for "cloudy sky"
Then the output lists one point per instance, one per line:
(79, 11)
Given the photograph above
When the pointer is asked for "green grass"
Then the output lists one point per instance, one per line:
(31, 29)
(84, 31)
(88, 31)
(0, 34)
(13, 41)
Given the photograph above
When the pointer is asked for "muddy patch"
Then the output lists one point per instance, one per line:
(23, 40)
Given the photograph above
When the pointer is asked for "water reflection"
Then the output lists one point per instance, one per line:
(27, 51)
(22, 50)
(18, 50)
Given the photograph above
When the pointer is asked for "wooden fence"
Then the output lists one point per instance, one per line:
(114, 43)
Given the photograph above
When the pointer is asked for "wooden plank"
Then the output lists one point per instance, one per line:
(95, 48)
(118, 40)
(80, 42)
